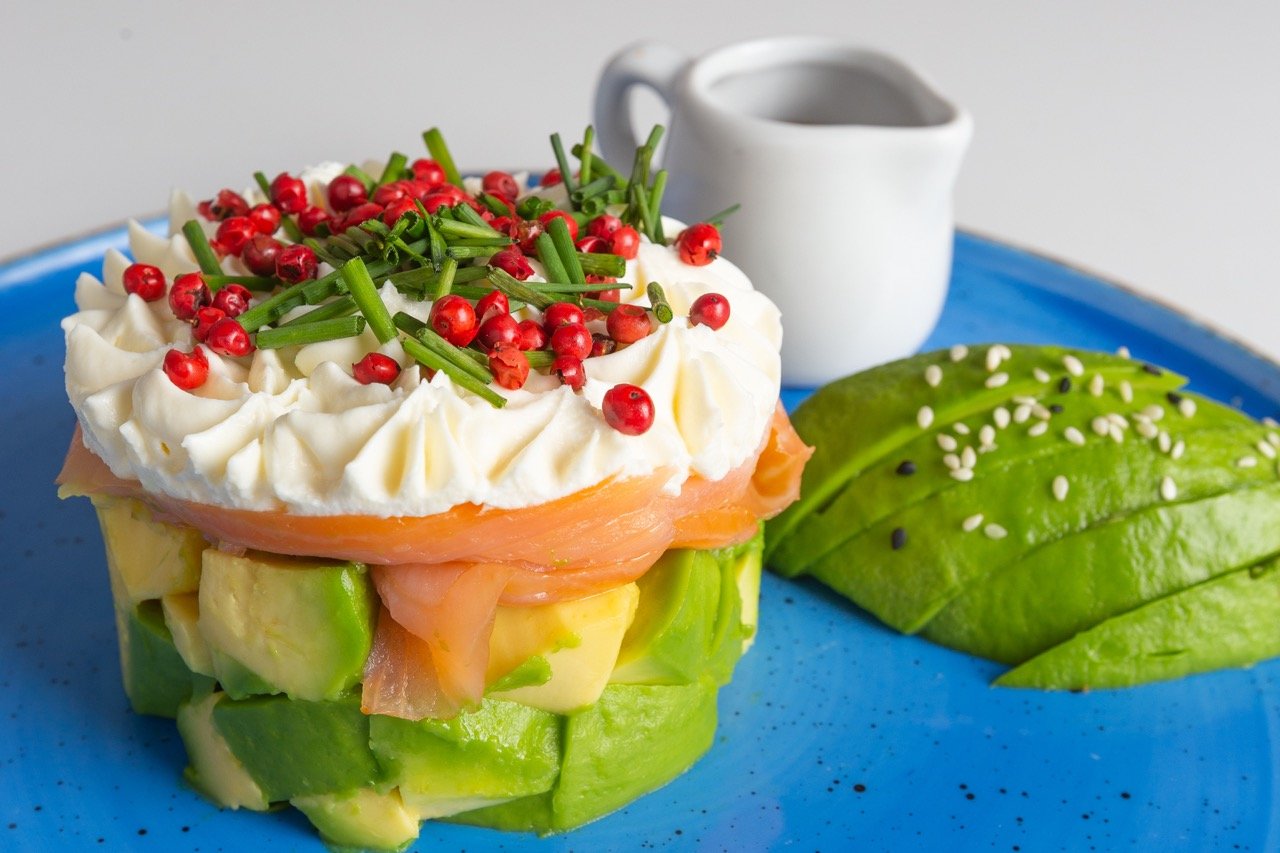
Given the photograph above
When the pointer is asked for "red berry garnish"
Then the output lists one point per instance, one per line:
(561, 313)
(494, 302)
(602, 345)
(188, 295)
(526, 236)
(288, 193)
(625, 242)
(546, 218)
(628, 324)
(391, 192)
(498, 329)
(145, 281)
(572, 339)
(591, 243)
(357, 215)
(453, 319)
(265, 218)
(296, 263)
(205, 318)
(311, 219)
(232, 300)
(187, 370)
(260, 254)
(437, 200)
(604, 226)
(709, 309)
(346, 192)
(392, 213)
(376, 368)
(513, 262)
(550, 178)
(699, 244)
(509, 366)
(628, 409)
(501, 183)
(225, 204)
(228, 337)
(234, 232)
(532, 335)
(570, 371)
(427, 171)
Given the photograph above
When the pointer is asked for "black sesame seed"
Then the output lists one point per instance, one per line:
(899, 538)
(906, 468)
(1056, 409)
(860, 788)
(1064, 384)
(1174, 397)
(1152, 369)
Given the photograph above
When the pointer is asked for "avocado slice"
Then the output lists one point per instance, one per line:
(294, 747)
(285, 625)
(1072, 584)
(182, 618)
(146, 558)
(156, 679)
(500, 751)
(748, 564)
(1227, 621)
(672, 634)
(214, 770)
(362, 819)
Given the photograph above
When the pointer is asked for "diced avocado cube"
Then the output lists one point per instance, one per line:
(147, 558)
(214, 770)
(673, 630)
(579, 640)
(282, 625)
(181, 616)
(156, 679)
(499, 751)
(294, 747)
(362, 819)
(749, 564)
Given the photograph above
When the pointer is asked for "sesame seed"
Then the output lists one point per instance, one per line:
(1126, 391)
(1152, 369)
(1101, 425)
(946, 442)
(924, 417)
(1041, 375)
(968, 457)
(1247, 462)
(1038, 429)
(1073, 365)
(1146, 429)
(1060, 487)
(995, 531)
(898, 538)
(1118, 419)
(993, 358)
(1173, 397)
(1156, 413)
(933, 375)
(1056, 409)
(1116, 433)
(1168, 489)
(959, 352)
(1273, 439)
(1074, 436)
(1123, 352)
(1179, 448)
(1164, 442)
(951, 461)
(996, 380)
(1021, 414)
(1004, 351)
(971, 523)
(964, 475)
(1096, 385)
(1266, 450)
(1271, 422)
(1064, 385)
(1041, 412)
(961, 429)
(987, 435)
(1001, 417)
(1024, 399)
(1187, 407)
(906, 468)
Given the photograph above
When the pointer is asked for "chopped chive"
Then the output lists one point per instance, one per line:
(718, 218)
(394, 169)
(655, 136)
(463, 359)
(343, 306)
(559, 231)
(560, 287)
(361, 175)
(291, 229)
(420, 352)
(263, 184)
(362, 289)
(593, 207)
(640, 201)
(550, 258)
(602, 263)
(434, 240)
(310, 333)
(584, 166)
(324, 253)
(470, 250)
(658, 301)
(199, 243)
(273, 307)
(597, 163)
(539, 359)
(562, 162)
(496, 205)
(602, 304)
(407, 249)
(252, 282)
(465, 215)
(440, 153)
(598, 187)
(468, 230)
(317, 291)
(532, 207)
(448, 272)
(655, 205)
(516, 289)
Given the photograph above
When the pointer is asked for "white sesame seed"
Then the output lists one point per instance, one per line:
(995, 531)
(951, 461)
(933, 375)
(993, 358)
(1247, 462)
(1001, 417)
(964, 475)
(1025, 400)
(1060, 487)
(1126, 391)
(1118, 419)
(1271, 422)
(1273, 439)
(968, 457)
(1074, 436)
(1041, 412)
(1005, 352)
(1096, 385)
(1101, 425)
(1038, 429)
(987, 435)
(1179, 448)
(959, 352)
(1021, 414)
(1154, 412)
(1073, 365)
(1187, 407)
(1168, 489)
(1266, 450)
(961, 429)
(946, 442)
(1041, 375)
(1146, 429)
(1116, 433)
(996, 380)
(972, 523)
(924, 417)
(1123, 352)
(1163, 441)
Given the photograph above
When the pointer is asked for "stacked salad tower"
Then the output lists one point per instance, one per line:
(431, 497)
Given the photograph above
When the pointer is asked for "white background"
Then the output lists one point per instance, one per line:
(1141, 140)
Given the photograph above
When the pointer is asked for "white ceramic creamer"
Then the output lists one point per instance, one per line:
(843, 160)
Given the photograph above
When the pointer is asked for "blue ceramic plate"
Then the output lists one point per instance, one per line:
(835, 734)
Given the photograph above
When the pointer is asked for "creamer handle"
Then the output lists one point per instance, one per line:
(651, 64)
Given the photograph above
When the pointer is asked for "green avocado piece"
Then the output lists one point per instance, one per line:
(294, 747)
(670, 725)
(182, 618)
(147, 558)
(361, 819)
(1072, 584)
(497, 752)
(673, 630)
(867, 418)
(156, 679)
(533, 672)
(1228, 621)
(746, 564)
(275, 624)
(214, 770)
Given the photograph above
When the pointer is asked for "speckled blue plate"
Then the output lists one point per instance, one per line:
(836, 733)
